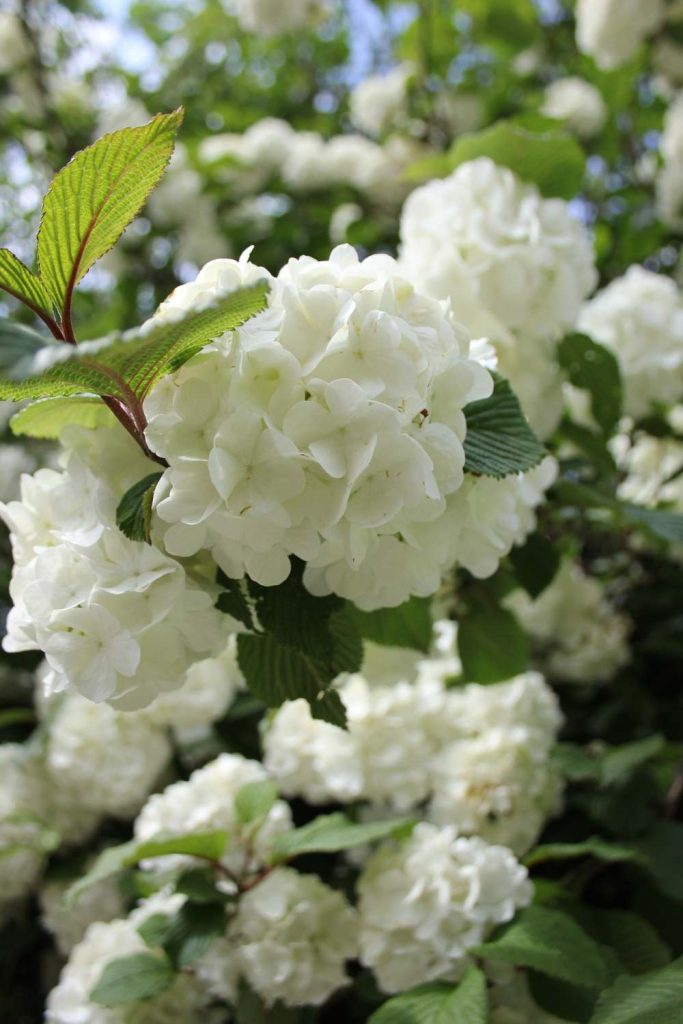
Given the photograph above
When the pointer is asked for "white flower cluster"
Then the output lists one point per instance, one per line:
(639, 317)
(179, 201)
(578, 103)
(68, 920)
(307, 162)
(290, 939)
(653, 470)
(581, 637)
(330, 427)
(670, 179)
(117, 620)
(479, 754)
(184, 1002)
(424, 903)
(515, 266)
(206, 801)
(611, 31)
(272, 18)
(379, 101)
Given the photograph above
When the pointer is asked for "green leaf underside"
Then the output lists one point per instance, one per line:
(552, 161)
(654, 998)
(129, 367)
(46, 418)
(492, 645)
(95, 197)
(131, 978)
(553, 943)
(595, 369)
(134, 511)
(438, 1003)
(499, 441)
(408, 625)
(331, 833)
(23, 284)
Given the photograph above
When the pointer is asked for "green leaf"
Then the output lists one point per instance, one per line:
(499, 441)
(621, 761)
(552, 161)
(594, 369)
(232, 601)
(661, 853)
(635, 941)
(595, 847)
(408, 625)
(491, 643)
(134, 511)
(95, 197)
(127, 368)
(331, 833)
(438, 1003)
(46, 418)
(131, 978)
(654, 998)
(154, 929)
(254, 801)
(551, 942)
(18, 347)
(192, 931)
(199, 885)
(111, 861)
(17, 280)
(535, 563)
(667, 526)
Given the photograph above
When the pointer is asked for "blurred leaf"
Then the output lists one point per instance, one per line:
(438, 1003)
(491, 643)
(635, 941)
(132, 978)
(18, 347)
(46, 418)
(593, 368)
(535, 563)
(654, 998)
(331, 833)
(408, 625)
(254, 801)
(593, 847)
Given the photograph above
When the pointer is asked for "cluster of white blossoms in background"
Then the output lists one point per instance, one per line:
(308, 162)
(477, 758)
(117, 620)
(578, 103)
(379, 101)
(424, 903)
(515, 266)
(331, 427)
(652, 467)
(67, 920)
(581, 637)
(272, 18)
(670, 178)
(206, 801)
(610, 31)
(639, 317)
(184, 1002)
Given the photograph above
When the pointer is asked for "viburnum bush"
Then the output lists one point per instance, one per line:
(341, 474)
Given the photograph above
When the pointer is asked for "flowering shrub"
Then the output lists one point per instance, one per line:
(341, 467)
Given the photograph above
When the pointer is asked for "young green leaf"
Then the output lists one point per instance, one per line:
(131, 978)
(499, 441)
(408, 625)
(94, 198)
(331, 833)
(20, 282)
(438, 1003)
(595, 369)
(254, 800)
(553, 943)
(134, 511)
(653, 998)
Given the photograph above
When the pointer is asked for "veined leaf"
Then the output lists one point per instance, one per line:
(17, 280)
(438, 1003)
(499, 441)
(127, 368)
(46, 418)
(331, 833)
(131, 978)
(653, 998)
(93, 199)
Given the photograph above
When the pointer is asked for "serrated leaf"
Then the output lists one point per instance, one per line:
(95, 197)
(331, 833)
(127, 368)
(254, 801)
(654, 998)
(18, 347)
(594, 369)
(46, 418)
(499, 441)
(635, 941)
(595, 847)
(535, 563)
(552, 161)
(134, 511)
(17, 280)
(551, 942)
(408, 625)
(132, 978)
(438, 1003)
(491, 643)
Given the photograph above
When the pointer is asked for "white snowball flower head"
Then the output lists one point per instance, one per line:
(425, 902)
(611, 31)
(640, 318)
(578, 103)
(328, 427)
(294, 935)
(378, 100)
(484, 234)
(670, 179)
